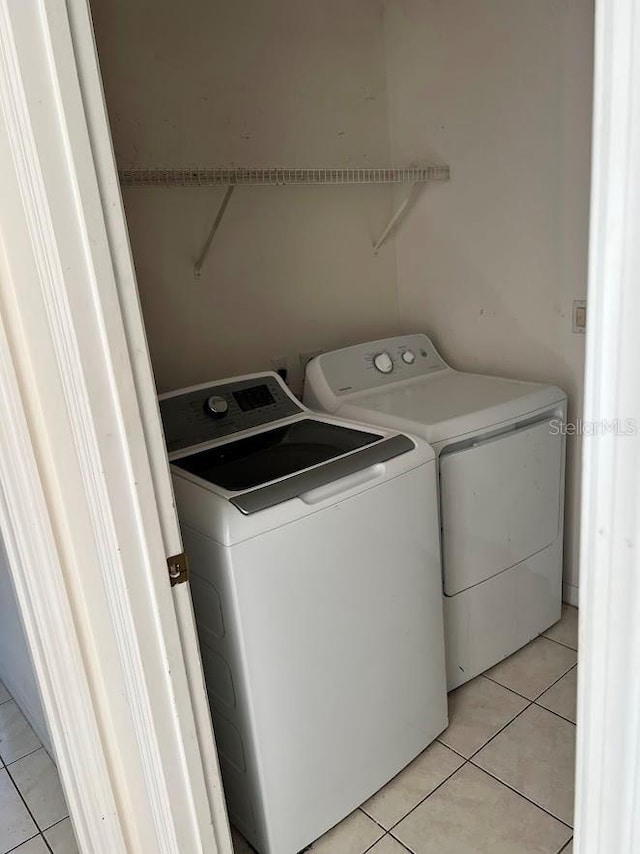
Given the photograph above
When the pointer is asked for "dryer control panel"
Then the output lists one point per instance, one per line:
(212, 411)
(377, 363)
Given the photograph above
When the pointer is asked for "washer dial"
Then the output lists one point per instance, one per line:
(382, 362)
(408, 357)
(216, 406)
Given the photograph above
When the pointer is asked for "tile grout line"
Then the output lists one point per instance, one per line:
(513, 691)
(559, 679)
(502, 729)
(499, 684)
(377, 823)
(22, 798)
(384, 835)
(55, 824)
(537, 697)
(557, 714)
(565, 645)
(20, 758)
(396, 839)
(11, 699)
(426, 797)
(46, 841)
(400, 843)
(386, 832)
(453, 750)
(523, 796)
(30, 839)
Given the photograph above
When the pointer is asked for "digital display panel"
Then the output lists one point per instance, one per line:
(253, 398)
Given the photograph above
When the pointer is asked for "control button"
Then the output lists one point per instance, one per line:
(409, 357)
(216, 406)
(383, 363)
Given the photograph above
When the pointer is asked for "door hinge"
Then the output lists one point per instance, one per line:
(178, 569)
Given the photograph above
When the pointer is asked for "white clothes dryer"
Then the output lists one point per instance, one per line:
(500, 448)
(316, 584)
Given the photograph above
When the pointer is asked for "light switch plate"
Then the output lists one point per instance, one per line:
(579, 316)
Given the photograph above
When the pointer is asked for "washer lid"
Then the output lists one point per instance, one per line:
(273, 466)
(451, 403)
(273, 454)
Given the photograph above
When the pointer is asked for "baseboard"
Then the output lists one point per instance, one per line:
(570, 594)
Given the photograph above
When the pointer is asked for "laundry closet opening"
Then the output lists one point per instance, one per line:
(488, 263)
(300, 178)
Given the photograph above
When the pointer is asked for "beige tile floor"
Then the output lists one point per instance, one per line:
(499, 780)
(33, 813)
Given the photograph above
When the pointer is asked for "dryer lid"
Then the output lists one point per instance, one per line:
(452, 403)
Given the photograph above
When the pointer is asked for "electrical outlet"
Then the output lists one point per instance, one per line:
(306, 357)
(579, 314)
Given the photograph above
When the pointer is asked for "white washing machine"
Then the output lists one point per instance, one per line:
(315, 575)
(501, 460)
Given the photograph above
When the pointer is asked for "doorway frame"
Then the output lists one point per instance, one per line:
(607, 815)
(32, 502)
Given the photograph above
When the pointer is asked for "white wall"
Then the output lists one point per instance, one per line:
(16, 667)
(252, 84)
(490, 263)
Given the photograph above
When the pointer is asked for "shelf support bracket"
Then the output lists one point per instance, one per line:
(197, 270)
(394, 222)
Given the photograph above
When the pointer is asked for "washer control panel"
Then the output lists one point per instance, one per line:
(379, 363)
(202, 414)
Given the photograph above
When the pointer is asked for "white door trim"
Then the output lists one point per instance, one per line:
(608, 749)
(49, 625)
(69, 376)
(107, 198)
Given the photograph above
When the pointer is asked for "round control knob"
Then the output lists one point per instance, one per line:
(408, 357)
(383, 363)
(216, 406)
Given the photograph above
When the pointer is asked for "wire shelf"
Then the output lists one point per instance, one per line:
(212, 177)
(232, 177)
